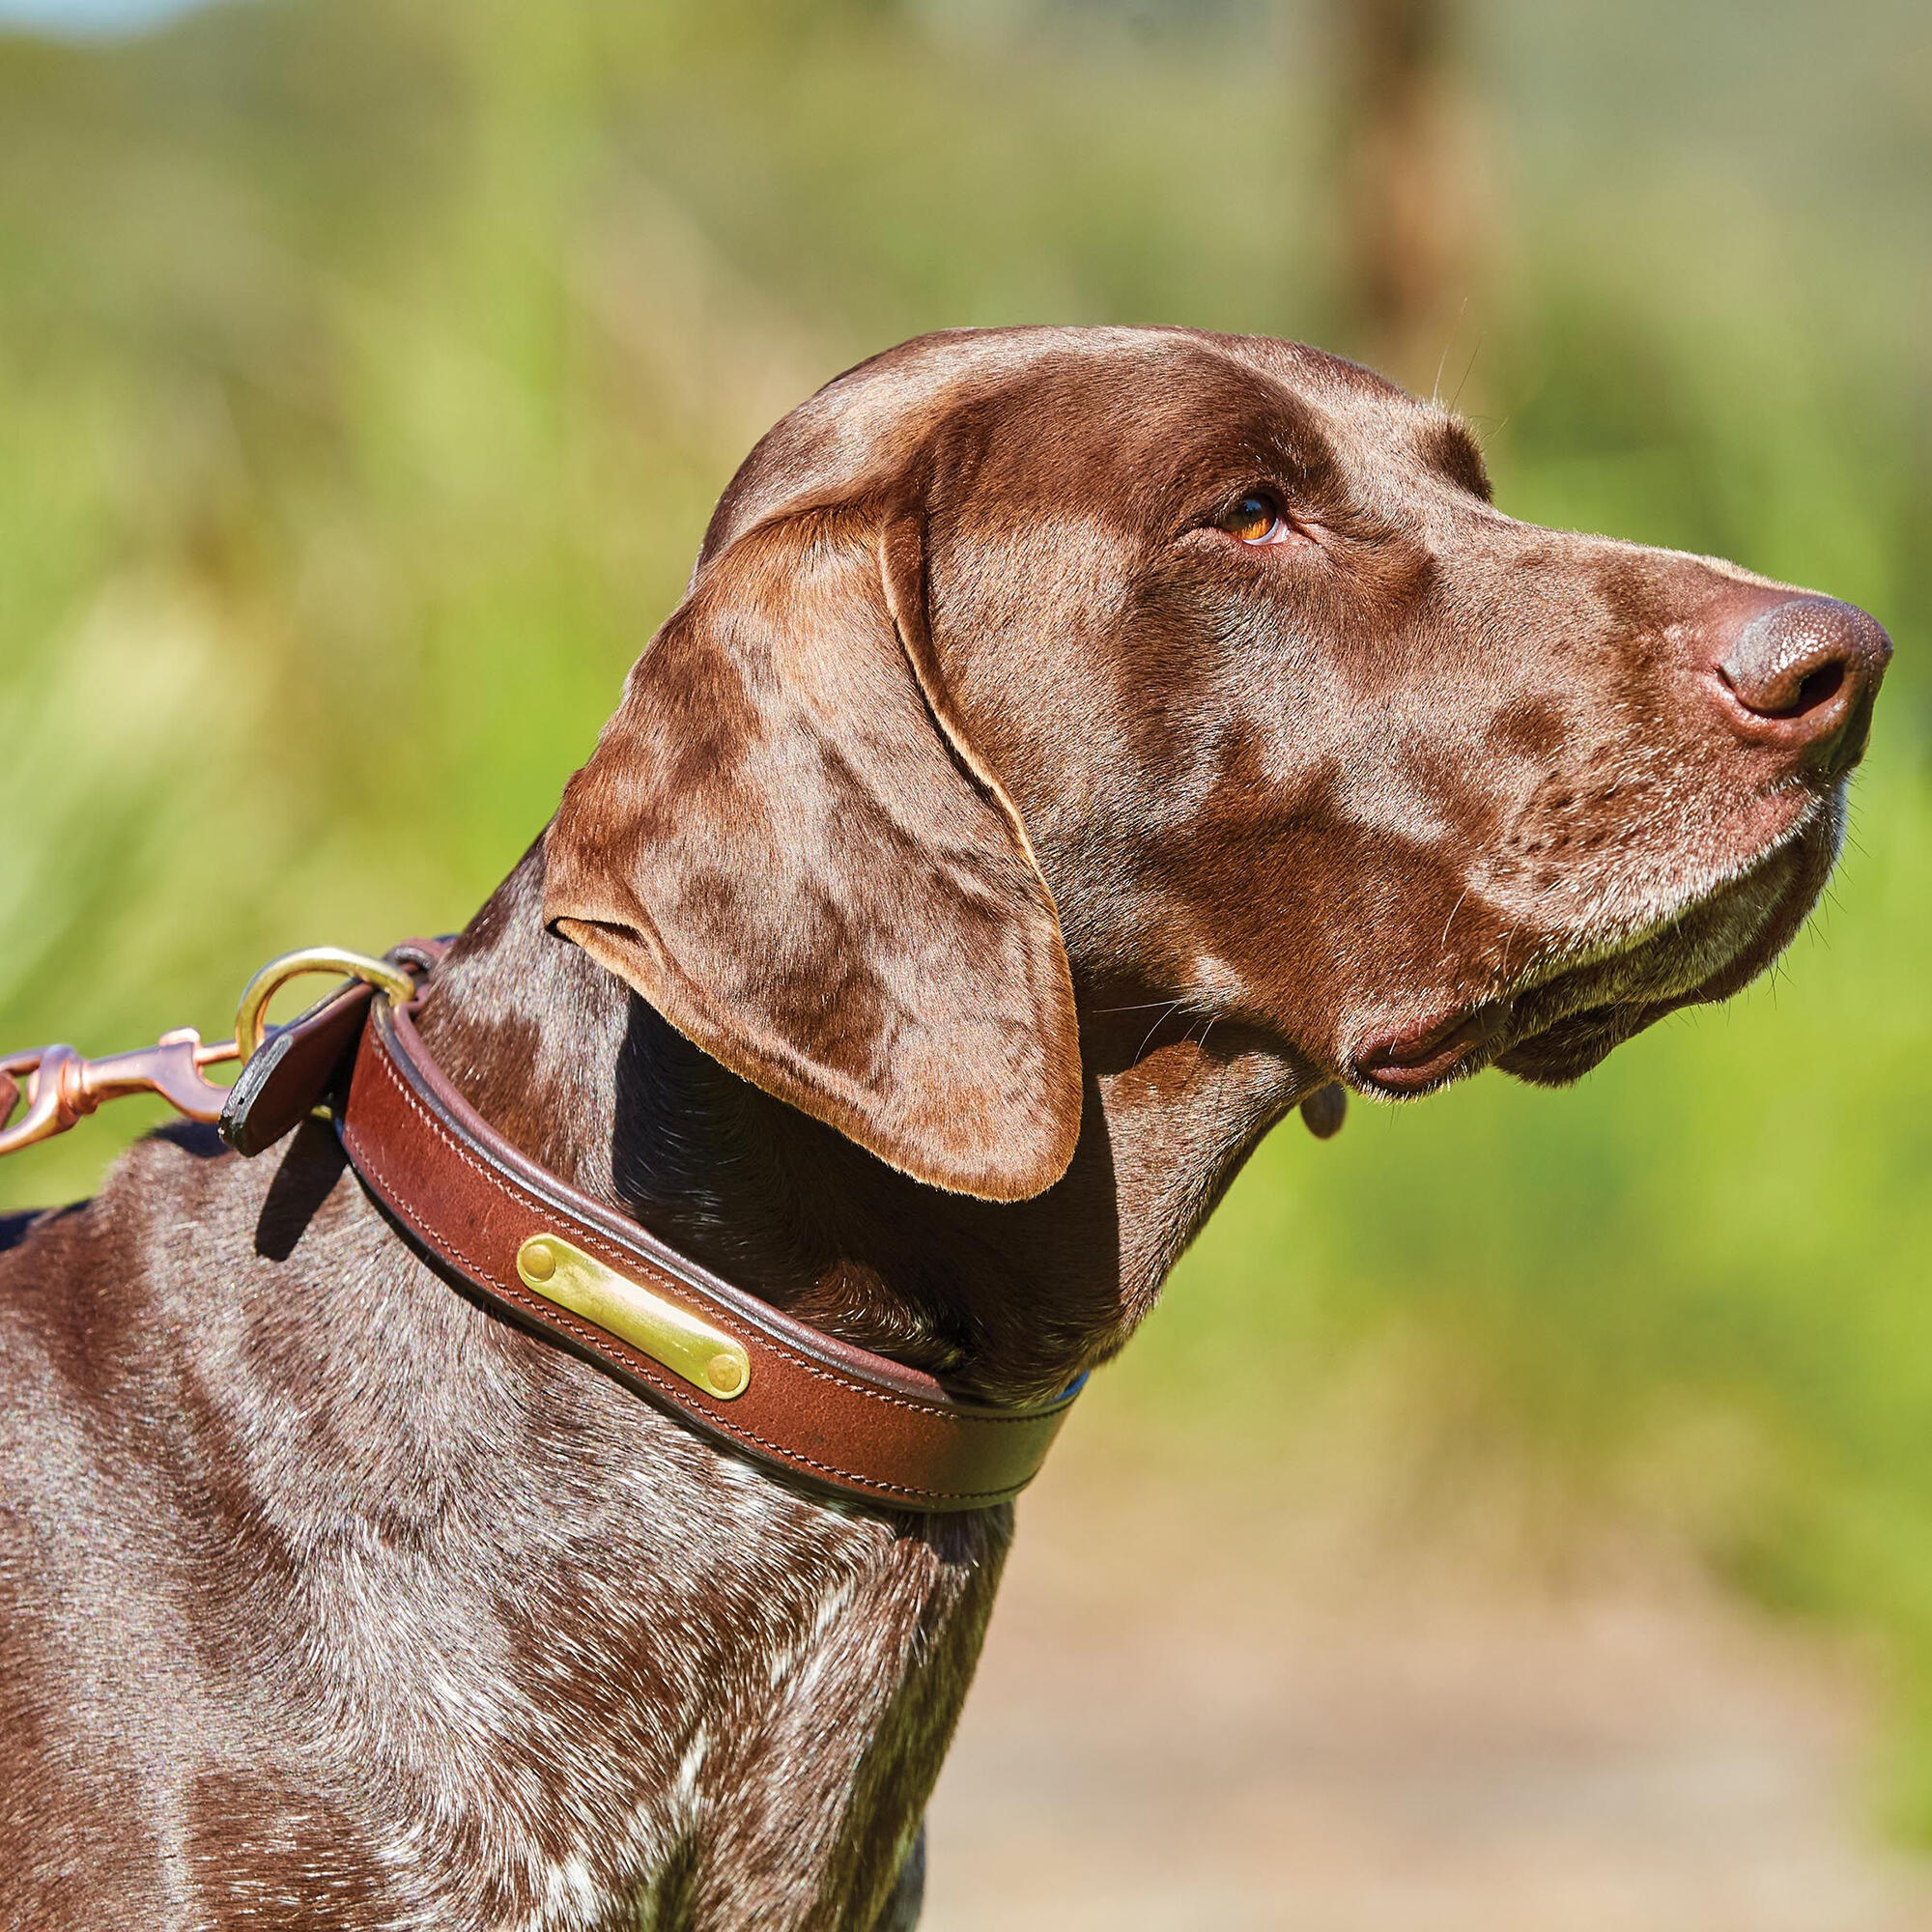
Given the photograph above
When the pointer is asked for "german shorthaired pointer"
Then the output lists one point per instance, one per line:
(1077, 749)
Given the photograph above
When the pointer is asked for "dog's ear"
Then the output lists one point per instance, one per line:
(784, 842)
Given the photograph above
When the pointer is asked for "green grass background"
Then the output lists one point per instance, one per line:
(367, 373)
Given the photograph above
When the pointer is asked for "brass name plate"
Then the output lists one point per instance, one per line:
(704, 1356)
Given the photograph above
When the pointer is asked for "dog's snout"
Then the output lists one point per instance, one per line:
(1802, 673)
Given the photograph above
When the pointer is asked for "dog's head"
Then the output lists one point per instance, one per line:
(1030, 676)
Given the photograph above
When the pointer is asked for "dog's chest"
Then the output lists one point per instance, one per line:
(407, 1622)
(726, 1710)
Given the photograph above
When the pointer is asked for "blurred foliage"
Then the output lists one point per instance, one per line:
(367, 373)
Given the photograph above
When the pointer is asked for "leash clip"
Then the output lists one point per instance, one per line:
(60, 1086)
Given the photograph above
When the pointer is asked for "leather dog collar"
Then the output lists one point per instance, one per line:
(741, 1372)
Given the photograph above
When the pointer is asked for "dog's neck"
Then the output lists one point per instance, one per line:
(1007, 1302)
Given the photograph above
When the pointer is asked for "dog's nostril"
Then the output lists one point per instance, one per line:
(1784, 700)
(1807, 668)
(1818, 687)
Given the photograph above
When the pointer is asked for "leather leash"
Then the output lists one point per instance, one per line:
(774, 1389)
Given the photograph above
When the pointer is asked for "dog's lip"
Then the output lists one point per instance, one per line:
(1533, 1031)
(1569, 1048)
(1411, 1058)
(1571, 1043)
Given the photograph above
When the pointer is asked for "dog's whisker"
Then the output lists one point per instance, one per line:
(1173, 1006)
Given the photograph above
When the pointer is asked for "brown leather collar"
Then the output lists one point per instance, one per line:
(739, 1371)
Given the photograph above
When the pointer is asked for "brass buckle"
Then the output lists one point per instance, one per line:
(60, 1086)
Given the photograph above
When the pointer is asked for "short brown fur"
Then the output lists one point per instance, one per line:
(990, 849)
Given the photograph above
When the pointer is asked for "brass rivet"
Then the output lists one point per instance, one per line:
(727, 1372)
(539, 1261)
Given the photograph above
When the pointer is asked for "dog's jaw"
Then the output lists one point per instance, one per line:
(1698, 939)
(1721, 941)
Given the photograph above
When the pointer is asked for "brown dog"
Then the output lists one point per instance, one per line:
(1076, 747)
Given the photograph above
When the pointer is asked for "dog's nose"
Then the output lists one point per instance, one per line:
(1803, 674)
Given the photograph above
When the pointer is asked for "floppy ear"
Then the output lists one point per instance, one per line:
(784, 843)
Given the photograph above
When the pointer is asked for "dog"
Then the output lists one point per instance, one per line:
(1077, 749)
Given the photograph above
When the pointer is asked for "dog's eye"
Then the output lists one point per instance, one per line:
(1254, 520)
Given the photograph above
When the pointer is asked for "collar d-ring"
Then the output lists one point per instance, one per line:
(251, 1016)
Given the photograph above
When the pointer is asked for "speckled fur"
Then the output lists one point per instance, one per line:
(1019, 846)
(331, 1601)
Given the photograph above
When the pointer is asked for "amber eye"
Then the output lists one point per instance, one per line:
(1254, 519)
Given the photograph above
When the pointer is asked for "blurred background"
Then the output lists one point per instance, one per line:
(1519, 1512)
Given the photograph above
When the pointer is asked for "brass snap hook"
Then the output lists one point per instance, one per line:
(59, 1086)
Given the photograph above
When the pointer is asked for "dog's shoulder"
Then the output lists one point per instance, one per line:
(104, 1303)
